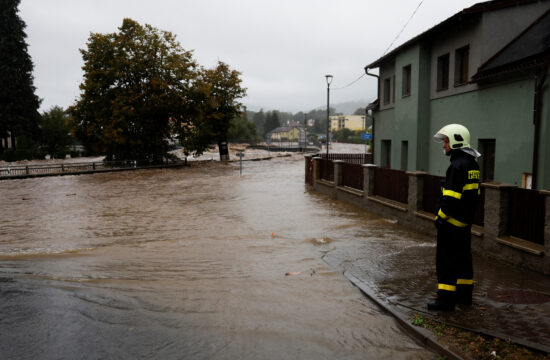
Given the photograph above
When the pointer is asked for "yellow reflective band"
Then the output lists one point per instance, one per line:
(452, 194)
(464, 281)
(441, 214)
(473, 186)
(446, 287)
(455, 222)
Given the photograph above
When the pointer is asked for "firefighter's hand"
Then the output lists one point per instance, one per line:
(438, 223)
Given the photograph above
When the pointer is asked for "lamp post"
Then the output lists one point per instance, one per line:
(329, 80)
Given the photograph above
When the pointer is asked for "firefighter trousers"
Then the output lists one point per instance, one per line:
(454, 263)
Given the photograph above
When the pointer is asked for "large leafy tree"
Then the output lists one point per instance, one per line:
(55, 132)
(217, 91)
(18, 103)
(135, 93)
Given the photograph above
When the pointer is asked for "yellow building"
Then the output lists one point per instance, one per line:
(352, 122)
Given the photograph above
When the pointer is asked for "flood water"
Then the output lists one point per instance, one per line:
(191, 263)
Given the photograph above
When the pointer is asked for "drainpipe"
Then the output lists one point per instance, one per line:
(378, 97)
(540, 78)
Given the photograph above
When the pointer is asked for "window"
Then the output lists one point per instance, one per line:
(393, 87)
(443, 72)
(406, 81)
(385, 160)
(387, 90)
(404, 154)
(487, 149)
(462, 56)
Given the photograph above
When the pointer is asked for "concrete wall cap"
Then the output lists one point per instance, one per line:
(497, 185)
(370, 165)
(337, 161)
(545, 192)
(416, 173)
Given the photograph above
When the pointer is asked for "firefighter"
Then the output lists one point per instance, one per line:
(456, 208)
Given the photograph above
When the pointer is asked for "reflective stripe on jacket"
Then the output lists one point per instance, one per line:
(460, 190)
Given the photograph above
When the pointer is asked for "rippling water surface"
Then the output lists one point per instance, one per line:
(194, 263)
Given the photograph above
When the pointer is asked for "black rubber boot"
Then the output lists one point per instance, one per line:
(464, 294)
(445, 302)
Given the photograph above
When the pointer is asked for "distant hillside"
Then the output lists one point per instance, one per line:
(346, 108)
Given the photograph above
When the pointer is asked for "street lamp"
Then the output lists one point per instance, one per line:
(329, 80)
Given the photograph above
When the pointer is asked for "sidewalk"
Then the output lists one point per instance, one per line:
(509, 303)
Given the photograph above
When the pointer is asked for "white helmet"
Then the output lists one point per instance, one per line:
(459, 136)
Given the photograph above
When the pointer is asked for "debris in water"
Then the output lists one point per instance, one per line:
(70, 194)
(293, 273)
(391, 221)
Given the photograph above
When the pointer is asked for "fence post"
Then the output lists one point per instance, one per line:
(546, 261)
(62, 168)
(308, 164)
(497, 204)
(416, 191)
(27, 170)
(316, 169)
(368, 179)
(337, 172)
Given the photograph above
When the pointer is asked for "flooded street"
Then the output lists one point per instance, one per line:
(191, 263)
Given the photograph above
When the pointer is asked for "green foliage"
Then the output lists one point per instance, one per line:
(242, 129)
(348, 136)
(18, 102)
(26, 149)
(136, 90)
(55, 130)
(360, 111)
(215, 96)
(272, 121)
(259, 119)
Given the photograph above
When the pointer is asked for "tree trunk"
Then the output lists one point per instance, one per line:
(224, 149)
(12, 134)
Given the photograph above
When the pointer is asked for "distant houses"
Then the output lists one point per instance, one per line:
(351, 122)
(485, 67)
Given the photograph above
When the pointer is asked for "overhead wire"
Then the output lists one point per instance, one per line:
(404, 26)
(391, 44)
(351, 83)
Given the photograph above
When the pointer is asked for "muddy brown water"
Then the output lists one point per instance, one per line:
(193, 263)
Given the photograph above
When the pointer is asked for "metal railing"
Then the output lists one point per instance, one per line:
(326, 170)
(352, 175)
(526, 215)
(68, 168)
(391, 184)
(349, 158)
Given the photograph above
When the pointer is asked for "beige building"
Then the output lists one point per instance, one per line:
(352, 122)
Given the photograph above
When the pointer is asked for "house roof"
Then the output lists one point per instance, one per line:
(464, 15)
(529, 49)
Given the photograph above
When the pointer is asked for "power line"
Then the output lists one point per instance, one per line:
(404, 26)
(351, 83)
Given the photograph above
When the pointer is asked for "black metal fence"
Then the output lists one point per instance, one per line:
(349, 158)
(326, 170)
(526, 215)
(352, 175)
(391, 184)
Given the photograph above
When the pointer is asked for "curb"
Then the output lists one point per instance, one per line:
(422, 336)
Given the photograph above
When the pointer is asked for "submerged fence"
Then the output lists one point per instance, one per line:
(21, 171)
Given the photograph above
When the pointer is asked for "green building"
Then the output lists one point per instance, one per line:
(485, 67)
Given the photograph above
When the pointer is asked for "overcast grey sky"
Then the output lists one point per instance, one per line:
(282, 47)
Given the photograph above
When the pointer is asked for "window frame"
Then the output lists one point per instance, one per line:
(407, 74)
(442, 76)
(462, 66)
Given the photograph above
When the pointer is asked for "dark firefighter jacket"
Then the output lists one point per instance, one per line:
(459, 191)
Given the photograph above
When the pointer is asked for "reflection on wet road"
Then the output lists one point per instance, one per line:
(194, 263)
